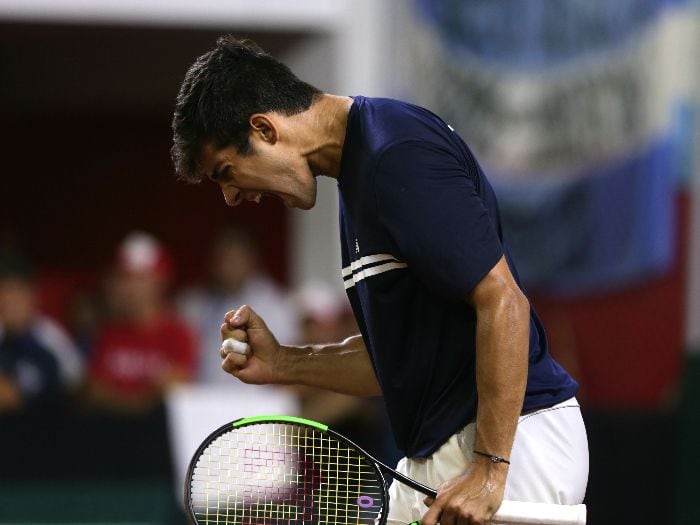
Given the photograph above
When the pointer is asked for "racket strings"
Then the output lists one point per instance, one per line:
(278, 473)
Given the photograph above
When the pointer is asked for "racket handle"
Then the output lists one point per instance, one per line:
(525, 513)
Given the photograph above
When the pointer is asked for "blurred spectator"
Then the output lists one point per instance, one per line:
(324, 313)
(85, 314)
(143, 349)
(39, 364)
(236, 278)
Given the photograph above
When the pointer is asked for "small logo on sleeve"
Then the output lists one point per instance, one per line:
(357, 246)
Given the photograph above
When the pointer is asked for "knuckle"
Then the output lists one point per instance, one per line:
(442, 499)
(239, 334)
(232, 361)
(236, 359)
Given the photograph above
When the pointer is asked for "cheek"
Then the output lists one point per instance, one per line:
(287, 168)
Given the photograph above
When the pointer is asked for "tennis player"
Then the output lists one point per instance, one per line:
(448, 338)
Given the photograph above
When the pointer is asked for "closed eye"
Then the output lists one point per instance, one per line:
(222, 174)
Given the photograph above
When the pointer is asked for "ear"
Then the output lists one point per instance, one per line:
(264, 128)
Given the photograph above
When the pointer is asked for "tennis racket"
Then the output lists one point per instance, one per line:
(281, 470)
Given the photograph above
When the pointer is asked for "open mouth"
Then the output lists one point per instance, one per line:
(276, 196)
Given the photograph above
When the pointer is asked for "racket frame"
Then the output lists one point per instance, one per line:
(379, 467)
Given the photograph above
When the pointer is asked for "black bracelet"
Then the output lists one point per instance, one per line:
(494, 459)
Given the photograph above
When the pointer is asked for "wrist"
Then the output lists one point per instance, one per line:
(497, 470)
(289, 371)
(493, 458)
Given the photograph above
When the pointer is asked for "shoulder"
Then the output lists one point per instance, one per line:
(52, 336)
(56, 340)
(389, 108)
(387, 122)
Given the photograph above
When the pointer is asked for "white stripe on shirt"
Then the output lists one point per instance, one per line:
(375, 270)
(364, 261)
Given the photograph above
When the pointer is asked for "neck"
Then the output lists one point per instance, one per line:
(146, 314)
(329, 118)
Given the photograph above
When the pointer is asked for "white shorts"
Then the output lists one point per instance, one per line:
(549, 463)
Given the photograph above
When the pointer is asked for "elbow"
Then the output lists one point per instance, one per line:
(505, 306)
(515, 306)
(519, 302)
(504, 296)
(498, 295)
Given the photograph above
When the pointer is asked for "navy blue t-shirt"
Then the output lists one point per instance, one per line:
(419, 229)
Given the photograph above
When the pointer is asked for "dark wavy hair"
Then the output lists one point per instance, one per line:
(219, 93)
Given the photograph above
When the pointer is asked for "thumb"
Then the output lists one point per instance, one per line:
(428, 501)
(433, 515)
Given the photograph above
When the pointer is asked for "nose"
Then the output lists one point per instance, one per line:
(232, 195)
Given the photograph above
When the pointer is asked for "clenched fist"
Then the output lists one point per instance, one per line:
(249, 350)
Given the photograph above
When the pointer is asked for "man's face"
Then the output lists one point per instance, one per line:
(132, 294)
(232, 265)
(16, 304)
(273, 168)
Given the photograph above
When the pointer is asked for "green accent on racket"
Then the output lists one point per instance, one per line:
(280, 419)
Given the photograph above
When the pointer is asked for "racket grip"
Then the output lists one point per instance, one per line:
(526, 513)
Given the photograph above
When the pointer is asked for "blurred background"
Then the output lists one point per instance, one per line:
(114, 276)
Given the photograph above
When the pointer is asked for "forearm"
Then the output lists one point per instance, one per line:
(502, 334)
(341, 367)
(502, 343)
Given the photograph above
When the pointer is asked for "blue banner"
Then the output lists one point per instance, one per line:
(576, 111)
(539, 33)
(604, 230)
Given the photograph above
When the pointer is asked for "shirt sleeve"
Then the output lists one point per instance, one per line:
(429, 202)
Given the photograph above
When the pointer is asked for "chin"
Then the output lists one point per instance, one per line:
(303, 205)
(308, 201)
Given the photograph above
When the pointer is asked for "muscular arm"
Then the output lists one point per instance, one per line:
(502, 342)
(341, 367)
